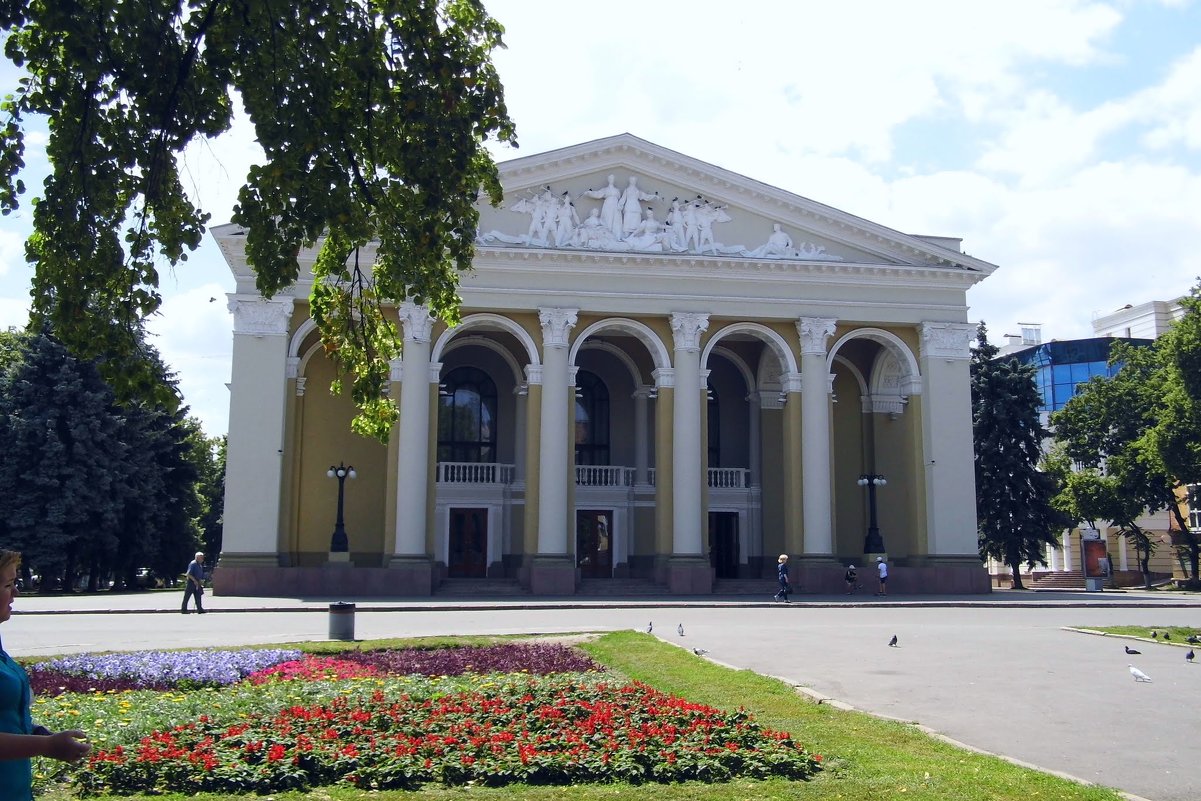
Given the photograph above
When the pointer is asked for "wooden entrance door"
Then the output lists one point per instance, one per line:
(723, 543)
(594, 543)
(467, 554)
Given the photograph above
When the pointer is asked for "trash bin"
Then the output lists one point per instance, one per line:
(341, 621)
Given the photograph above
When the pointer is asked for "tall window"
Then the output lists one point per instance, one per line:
(467, 417)
(714, 429)
(591, 420)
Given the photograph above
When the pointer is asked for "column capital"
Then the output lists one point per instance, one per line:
(396, 370)
(435, 372)
(950, 341)
(686, 329)
(292, 367)
(556, 326)
(417, 320)
(533, 374)
(643, 392)
(261, 317)
(665, 378)
(814, 332)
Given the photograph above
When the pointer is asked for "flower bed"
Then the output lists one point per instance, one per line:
(531, 713)
(547, 730)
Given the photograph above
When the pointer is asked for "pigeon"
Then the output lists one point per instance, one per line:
(1190, 656)
(893, 642)
(700, 651)
(1154, 634)
(650, 627)
(1192, 639)
(1130, 650)
(1166, 636)
(680, 629)
(1138, 674)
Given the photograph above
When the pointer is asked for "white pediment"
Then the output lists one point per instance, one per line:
(625, 195)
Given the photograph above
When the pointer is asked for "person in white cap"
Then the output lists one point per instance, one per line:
(882, 569)
(851, 578)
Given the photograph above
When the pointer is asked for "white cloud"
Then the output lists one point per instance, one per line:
(194, 334)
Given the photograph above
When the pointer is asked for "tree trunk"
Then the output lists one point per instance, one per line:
(1017, 576)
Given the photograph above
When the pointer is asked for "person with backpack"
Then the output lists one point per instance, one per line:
(852, 579)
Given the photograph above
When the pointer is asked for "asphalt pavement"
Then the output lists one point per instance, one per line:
(1005, 673)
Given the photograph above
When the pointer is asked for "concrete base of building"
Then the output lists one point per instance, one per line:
(409, 578)
(689, 575)
(552, 575)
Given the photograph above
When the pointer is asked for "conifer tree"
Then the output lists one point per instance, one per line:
(1015, 518)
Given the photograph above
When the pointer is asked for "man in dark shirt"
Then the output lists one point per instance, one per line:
(194, 584)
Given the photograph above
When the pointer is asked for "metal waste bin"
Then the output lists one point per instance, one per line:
(341, 621)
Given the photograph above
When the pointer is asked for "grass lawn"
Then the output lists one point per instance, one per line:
(1177, 633)
(864, 758)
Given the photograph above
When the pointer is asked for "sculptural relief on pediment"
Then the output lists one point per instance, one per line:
(639, 217)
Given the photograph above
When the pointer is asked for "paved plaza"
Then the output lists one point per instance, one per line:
(1003, 672)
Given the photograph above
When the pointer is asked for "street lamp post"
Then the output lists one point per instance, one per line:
(339, 543)
(873, 543)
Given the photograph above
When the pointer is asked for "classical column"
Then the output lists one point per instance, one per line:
(947, 444)
(796, 440)
(754, 433)
(554, 571)
(520, 393)
(412, 481)
(641, 430)
(254, 460)
(689, 571)
(815, 436)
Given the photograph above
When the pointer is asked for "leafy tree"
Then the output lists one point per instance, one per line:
(1107, 427)
(208, 456)
(1175, 438)
(1013, 497)
(372, 117)
(62, 488)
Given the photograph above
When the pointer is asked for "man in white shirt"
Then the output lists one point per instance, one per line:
(882, 569)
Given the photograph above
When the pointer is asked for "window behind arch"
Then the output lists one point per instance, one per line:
(467, 417)
(591, 420)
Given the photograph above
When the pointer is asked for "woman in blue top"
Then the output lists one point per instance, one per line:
(20, 740)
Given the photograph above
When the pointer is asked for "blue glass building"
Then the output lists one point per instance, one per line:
(1060, 367)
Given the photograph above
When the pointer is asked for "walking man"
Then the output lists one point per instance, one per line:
(782, 575)
(194, 584)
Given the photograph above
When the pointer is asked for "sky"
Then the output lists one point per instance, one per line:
(1060, 139)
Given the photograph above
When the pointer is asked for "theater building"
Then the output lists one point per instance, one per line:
(666, 374)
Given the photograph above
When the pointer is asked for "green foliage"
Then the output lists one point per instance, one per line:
(90, 486)
(1115, 429)
(372, 119)
(1014, 513)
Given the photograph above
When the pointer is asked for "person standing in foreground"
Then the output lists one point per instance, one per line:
(20, 740)
(782, 574)
(194, 584)
(882, 569)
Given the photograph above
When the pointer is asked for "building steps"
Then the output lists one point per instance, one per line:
(480, 587)
(620, 587)
(1058, 580)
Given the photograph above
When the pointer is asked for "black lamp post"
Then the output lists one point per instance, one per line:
(874, 543)
(338, 543)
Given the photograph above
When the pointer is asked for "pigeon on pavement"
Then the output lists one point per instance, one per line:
(893, 642)
(1130, 650)
(680, 629)
(1138, 674)
(1190, 656)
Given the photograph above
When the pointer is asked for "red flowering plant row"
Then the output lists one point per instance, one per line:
(510, 729)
